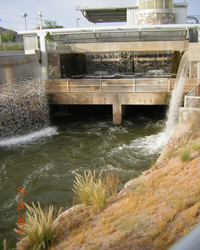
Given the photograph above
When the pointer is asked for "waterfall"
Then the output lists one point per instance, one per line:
(177, 96)
(23, 104)
(160, 140)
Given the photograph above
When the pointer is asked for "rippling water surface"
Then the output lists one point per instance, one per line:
(45, 162)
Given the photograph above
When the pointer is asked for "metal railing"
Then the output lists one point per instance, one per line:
(190, 241)
(192, 99)
(134, 85)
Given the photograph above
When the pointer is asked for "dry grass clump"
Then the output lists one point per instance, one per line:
(38, 230)
(95, 191)
(90, 190)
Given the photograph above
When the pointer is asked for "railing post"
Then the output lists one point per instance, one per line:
(185, 100)
(134, 87)
(67, 85)
(169, 87)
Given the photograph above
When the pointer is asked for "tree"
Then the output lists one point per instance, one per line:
(8, 36)
(50, 24)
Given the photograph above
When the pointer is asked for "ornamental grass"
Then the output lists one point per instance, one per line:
(38, 230)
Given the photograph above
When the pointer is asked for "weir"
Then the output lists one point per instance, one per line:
(23, 104)
(24, 96)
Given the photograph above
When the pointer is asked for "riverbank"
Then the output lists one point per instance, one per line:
(153, 211)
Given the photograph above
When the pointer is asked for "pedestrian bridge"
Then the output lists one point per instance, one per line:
(115, 92)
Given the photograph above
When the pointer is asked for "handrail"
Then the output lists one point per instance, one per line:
(190, 241)
(191, 99)
(133, 85)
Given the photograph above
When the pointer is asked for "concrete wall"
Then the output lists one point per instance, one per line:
(194, 52)
(188, 115)
(117, 100)
(130, 46)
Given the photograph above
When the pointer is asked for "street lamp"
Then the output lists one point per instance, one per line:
(25, 15)
(77, 21)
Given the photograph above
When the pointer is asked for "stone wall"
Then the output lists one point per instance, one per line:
(72, 65)
(143, 18)
(131, 62)
(126, 63)
(145, 61)
(54, 66)
(112, 63)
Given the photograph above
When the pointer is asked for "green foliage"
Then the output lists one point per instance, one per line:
(3, 245)
(185, 154)
(8, 36)
(38, 230)
(168, 154)
(196, 147)
(50, 24)
(9, 46)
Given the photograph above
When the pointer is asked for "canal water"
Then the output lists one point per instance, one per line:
(78, 139)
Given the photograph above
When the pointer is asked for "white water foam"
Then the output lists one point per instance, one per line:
(160, 140)
(154, 143)
(29, 137)
(177, 96)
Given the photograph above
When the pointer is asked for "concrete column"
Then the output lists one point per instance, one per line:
(44, 57)
(117, 113)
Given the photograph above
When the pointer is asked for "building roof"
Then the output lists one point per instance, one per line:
(112, 14)
(106, 14)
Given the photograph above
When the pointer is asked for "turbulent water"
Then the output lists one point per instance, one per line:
(46, 165)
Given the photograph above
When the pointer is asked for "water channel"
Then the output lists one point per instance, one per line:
(79, 138)
(45, 164)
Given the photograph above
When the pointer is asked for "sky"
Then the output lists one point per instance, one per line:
(62, 11)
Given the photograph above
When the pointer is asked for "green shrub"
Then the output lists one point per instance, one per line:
(4, 245)
(185, 154)
(38, 231)
(168, 154)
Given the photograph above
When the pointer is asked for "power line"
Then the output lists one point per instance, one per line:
(16, 22)
(192, 2)
(12, 14)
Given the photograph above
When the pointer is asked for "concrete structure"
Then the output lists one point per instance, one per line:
(115, 39)
(145, 32)
(145, 12)
(115, 92)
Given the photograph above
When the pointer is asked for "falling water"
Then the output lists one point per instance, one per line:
(177, 96)
(23, 105)
(160, 140)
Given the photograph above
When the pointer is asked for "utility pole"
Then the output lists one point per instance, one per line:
(77, 21)
(25, 15)
(0, 34)
(40, 18)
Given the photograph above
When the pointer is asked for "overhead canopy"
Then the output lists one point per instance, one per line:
(120, 36)
(107, 14)
(173, 32)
